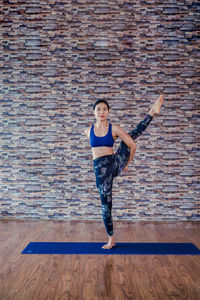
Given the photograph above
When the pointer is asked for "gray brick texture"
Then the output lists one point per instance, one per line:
(56, 59)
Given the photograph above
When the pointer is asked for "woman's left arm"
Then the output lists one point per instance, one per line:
(119, 132)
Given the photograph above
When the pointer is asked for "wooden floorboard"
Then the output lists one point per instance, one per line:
(62, 277)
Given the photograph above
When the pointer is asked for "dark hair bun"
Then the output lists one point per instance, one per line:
(101, 101)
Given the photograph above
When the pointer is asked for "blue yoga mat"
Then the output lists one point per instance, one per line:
(120, 248)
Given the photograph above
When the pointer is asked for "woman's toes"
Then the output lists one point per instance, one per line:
(108, 246)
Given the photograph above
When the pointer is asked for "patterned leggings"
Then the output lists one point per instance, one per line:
(110, 166)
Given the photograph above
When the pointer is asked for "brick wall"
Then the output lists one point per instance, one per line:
(57, 58)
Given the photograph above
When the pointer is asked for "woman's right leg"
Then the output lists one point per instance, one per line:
(103, 168)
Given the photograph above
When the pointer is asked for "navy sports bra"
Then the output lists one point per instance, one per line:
(101, 141)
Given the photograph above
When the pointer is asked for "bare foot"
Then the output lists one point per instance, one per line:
(155, 109)
(110, 244)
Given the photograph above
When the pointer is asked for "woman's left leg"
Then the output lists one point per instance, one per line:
(122, 154)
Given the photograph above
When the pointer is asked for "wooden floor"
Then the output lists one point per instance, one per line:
(26, 277)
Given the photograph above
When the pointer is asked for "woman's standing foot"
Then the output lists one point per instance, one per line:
(155, 109)
(110, 244)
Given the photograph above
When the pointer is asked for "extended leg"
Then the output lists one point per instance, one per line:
(123, 152)
(140, 128)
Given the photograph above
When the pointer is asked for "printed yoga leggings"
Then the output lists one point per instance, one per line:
(110, 166)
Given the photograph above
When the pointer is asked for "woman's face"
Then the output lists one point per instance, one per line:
(101, 112)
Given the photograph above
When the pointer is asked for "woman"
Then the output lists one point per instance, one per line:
(108, 164)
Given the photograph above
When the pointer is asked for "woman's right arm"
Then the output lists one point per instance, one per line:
(87, 132)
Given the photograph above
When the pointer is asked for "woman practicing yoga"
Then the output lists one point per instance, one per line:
(107, 164)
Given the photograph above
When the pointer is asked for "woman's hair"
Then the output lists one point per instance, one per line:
(101, 101)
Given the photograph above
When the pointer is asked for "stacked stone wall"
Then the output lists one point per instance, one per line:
(57, 58)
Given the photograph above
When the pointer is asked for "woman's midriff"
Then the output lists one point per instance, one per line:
(101, 151)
